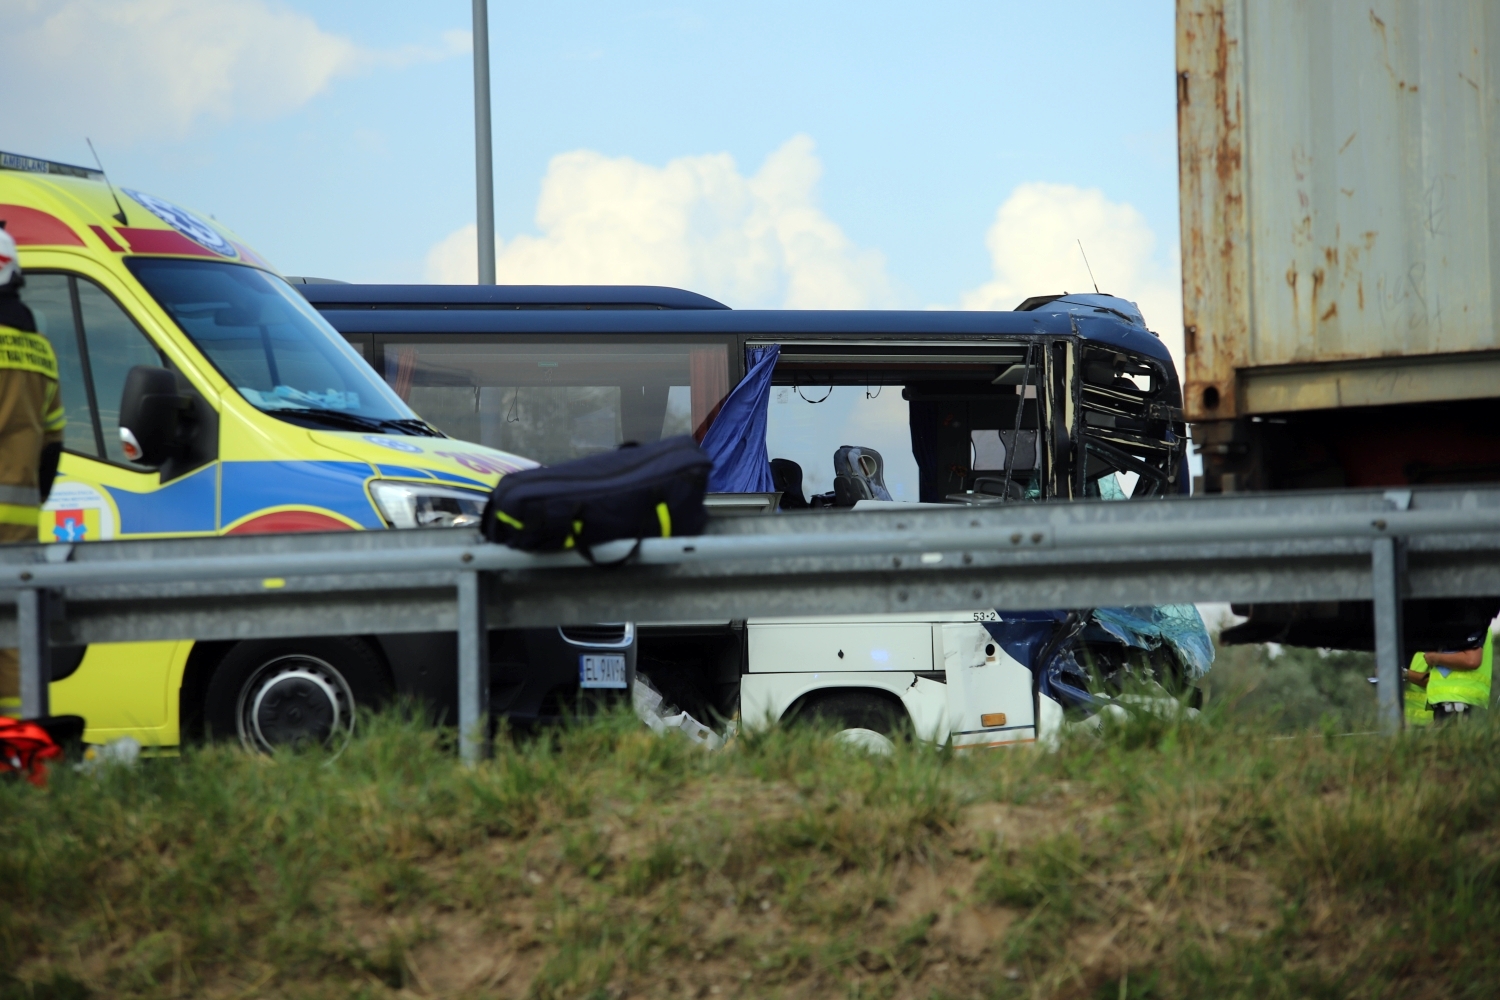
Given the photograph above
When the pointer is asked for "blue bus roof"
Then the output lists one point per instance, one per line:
(326, 295)
(588, 309)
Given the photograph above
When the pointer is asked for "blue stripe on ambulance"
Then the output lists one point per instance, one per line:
(183, 505)
(336, 486)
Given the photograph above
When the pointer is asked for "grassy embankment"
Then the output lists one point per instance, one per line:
(1203, 860)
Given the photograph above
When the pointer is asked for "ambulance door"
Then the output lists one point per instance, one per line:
(120, 689)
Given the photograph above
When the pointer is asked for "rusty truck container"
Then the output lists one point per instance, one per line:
(1340, 193)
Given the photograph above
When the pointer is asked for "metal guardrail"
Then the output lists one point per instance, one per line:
(1384, 546)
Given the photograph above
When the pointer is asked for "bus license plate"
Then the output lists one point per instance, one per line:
(601, 671)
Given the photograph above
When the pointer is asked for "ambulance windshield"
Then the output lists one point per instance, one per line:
(273, 347)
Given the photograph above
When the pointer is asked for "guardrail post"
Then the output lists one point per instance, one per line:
(35, 652)
(1388, 575)
(473, 670)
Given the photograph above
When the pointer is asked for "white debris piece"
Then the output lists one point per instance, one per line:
(122, 752)
(648, 708)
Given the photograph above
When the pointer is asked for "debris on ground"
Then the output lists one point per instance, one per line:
(122, 752)
(662, 718)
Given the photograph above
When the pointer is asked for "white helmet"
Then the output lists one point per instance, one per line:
(10, 264)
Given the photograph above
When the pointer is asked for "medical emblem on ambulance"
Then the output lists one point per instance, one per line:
(394, 445)
(77, 512)
(184, 222)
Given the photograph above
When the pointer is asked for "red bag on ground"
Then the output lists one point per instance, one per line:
(25, 749)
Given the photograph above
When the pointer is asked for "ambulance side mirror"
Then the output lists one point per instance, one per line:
(150, 413)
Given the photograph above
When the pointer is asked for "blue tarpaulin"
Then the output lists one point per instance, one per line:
(737, 440)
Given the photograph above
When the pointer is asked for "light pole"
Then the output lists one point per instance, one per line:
(484, 167)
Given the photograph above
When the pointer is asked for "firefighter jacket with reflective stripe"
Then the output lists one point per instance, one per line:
(27, 352)
(1471, 687)
(31, 411)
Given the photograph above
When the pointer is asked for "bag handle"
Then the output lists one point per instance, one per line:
(588, 554)
(663, 524)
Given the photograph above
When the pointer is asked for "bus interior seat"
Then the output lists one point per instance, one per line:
(996, 486)
(786, 477)
(944, 416)
(858, 474)
(990, 449)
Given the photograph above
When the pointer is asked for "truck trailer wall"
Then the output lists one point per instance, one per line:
(1340, 185)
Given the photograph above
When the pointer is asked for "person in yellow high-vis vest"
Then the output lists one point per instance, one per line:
(1415, 688)
(1459, 683)
(31, 431)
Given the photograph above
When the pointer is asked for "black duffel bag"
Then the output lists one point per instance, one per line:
(640, 491)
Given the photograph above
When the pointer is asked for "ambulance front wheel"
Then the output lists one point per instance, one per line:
(293, 692)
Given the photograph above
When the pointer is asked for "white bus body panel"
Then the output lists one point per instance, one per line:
(792, 657)
(765, 697)
(984, 680)
(823, 646)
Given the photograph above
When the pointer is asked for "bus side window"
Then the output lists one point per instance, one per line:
(555, 402)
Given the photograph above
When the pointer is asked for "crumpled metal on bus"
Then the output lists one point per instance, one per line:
(1178, 625)
(1045, 642)
(647, 702)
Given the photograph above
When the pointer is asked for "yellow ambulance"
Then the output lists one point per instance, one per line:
(279, 425)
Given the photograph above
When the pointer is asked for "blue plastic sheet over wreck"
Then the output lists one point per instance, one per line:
(737, 440)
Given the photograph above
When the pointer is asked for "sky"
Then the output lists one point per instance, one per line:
(776, 154)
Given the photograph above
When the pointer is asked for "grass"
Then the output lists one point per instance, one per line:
(1157, 860)
(1289, 689)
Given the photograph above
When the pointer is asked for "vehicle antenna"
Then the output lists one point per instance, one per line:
(119, 215)
(1091, 270)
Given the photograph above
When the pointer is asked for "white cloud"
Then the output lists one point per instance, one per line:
(1033, 245)
(126, 70)
(696, 223)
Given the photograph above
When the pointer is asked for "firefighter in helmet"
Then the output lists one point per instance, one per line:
(31, 431)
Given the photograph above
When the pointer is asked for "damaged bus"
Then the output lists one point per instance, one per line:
(1068, 397)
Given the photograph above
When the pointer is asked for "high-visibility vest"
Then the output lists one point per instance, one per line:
(1417, 712)
(1471, 687)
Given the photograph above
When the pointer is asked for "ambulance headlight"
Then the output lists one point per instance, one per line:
(418, 505)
